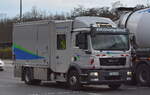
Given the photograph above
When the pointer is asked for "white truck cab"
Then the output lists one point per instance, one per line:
(87, 50)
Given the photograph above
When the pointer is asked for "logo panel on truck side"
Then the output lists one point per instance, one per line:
(24, 54)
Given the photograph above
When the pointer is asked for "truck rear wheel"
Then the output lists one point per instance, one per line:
(28, 77)
(114, 86)
(143, 75)
(73, 80)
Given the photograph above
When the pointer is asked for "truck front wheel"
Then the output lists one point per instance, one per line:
(143, 75)
(73, 80)
(114, 86)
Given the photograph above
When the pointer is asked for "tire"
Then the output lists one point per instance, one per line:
(73, 80)
(114, 86)
(1, 69)
(143, 75)
(28, 77)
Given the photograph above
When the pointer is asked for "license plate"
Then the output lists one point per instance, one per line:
(114, 73)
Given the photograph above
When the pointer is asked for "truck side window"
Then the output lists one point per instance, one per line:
(81, 41)
(61, 41)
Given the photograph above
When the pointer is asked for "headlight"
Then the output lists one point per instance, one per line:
(94, 74)
(129, 73)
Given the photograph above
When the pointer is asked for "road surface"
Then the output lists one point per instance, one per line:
(13, 86)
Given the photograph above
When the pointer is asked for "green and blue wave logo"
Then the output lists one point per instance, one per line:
(24, 54)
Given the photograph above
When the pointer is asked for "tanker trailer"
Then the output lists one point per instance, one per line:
(138, 24)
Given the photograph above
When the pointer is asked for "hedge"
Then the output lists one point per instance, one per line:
(6, 53)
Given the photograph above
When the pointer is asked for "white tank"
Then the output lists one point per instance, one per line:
(138, 23)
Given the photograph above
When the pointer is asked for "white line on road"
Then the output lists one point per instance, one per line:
(94, 94)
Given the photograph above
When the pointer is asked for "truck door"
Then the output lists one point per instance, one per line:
(81, 51)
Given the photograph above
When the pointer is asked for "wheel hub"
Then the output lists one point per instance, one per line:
(26, 78)
(73, 80)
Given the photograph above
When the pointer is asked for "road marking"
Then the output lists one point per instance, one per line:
(34, 94)
(60, 93)
(132, 88)
(94, 94)
(6, 85)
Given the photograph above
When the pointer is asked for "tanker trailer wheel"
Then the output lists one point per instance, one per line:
(143, 75)
(73, 80)
(114, 86)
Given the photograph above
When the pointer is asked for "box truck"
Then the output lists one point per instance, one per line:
(138, 24)
(86, 50)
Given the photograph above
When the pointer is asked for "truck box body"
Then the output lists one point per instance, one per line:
(34, 43)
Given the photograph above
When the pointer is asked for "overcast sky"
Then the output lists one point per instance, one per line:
(11, 7)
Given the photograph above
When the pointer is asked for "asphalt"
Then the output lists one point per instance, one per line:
(13, 86)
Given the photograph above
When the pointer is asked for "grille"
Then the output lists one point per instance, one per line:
(112, 61)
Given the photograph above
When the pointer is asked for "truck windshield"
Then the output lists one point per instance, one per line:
(110, 42)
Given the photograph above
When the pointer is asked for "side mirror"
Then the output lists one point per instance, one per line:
(93, 34)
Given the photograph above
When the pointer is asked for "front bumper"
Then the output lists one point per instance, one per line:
(105, 77)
